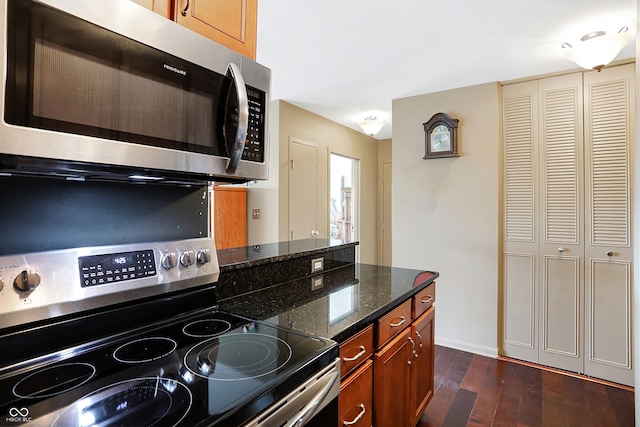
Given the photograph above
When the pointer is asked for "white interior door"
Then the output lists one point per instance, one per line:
(385, 221)
(609, 132)
(562, 222)
(303, 190)
(520, 230)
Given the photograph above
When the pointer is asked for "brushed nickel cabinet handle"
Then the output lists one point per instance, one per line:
(357, 418)
(184, 11)
(414, 349)
(419, 336)
(357, 356)
(427, 299)
(400, 323)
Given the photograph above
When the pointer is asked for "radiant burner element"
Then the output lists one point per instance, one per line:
(54, 380)
(234, 357)
(137, 402)
(206, 328)
(144, 350)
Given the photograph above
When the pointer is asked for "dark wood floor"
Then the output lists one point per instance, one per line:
(472, 390)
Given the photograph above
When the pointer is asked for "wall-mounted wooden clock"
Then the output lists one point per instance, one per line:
(440, 134)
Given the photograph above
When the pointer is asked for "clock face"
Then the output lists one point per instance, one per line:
(440, 139)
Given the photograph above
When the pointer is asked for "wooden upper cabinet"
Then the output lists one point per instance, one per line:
(162, 7)
(232, 23)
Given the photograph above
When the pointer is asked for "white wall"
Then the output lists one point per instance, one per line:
(446, 212)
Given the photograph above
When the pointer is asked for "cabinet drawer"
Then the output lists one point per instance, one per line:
(423, 300)
(355, 403)
(356, 350)
(394, 322)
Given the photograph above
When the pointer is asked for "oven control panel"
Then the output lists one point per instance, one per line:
(42, 285)
(102, 269)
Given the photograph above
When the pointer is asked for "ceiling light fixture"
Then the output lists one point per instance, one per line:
(597, 49)
(371, 125)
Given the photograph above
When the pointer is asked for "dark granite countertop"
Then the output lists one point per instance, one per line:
(251, 256)
(335, 304)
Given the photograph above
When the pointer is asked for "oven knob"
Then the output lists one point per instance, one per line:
(203, 256)
(169, 261)
(27, 280)
(186, 258)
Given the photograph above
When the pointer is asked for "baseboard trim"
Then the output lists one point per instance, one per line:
(470, 348)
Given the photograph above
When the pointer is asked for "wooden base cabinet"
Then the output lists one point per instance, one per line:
(393, 385)
(355, 404)
(404, 362)
(392, 380)
(422, 332)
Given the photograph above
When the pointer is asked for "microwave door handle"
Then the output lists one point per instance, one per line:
(243, 118)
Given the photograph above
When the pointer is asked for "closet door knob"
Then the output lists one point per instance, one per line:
(561, 250)
(609, 253)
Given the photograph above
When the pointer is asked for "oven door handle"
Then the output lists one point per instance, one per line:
(243, 118)
(312, 407)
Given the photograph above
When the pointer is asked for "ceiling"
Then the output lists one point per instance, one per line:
(346, 60)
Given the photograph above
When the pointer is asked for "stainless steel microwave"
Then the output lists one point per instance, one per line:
(111, 89)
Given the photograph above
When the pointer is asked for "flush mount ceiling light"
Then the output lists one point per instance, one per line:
(596, 49)
(371, 125)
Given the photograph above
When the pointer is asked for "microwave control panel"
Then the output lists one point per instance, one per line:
(254, 144)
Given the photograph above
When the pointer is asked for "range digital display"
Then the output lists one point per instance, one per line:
(112, 268)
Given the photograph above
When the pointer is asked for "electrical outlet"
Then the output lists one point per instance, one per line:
(317, 264)
(317, 282)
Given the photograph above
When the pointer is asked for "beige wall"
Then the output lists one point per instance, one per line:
(446, 211)
(263, 195)
(384, 150)
(331, 137)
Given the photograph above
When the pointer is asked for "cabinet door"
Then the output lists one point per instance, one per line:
(162, 7)
(392, 382)
(422, 331)
(231, 23)
(609, 117)
(230, 217)
(355, 403)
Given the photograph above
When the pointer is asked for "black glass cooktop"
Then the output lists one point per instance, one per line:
(209, 367)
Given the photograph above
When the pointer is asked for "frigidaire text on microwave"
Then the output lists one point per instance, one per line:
(111, 89)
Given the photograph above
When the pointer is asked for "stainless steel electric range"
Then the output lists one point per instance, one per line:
(130, 335)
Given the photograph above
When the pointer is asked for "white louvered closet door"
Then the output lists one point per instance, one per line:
(567, 286)
(561, 222)
(520, 259)
(609, 132)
